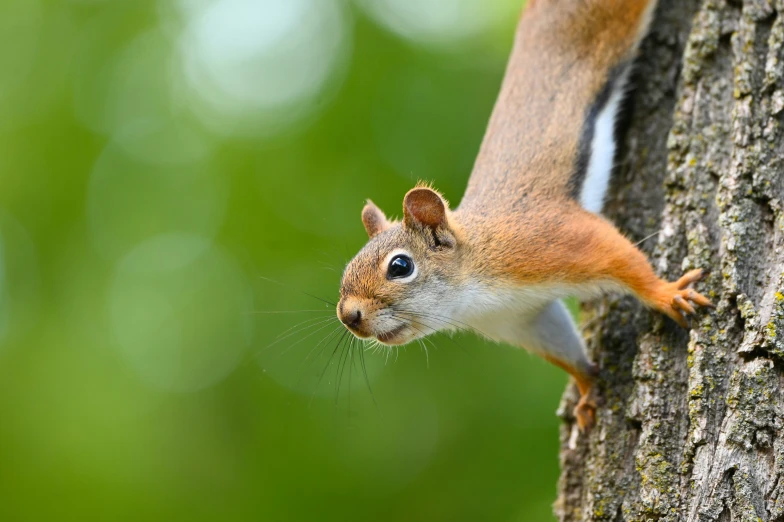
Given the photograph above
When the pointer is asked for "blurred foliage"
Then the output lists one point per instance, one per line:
(142, 238)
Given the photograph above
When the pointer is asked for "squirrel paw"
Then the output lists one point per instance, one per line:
(678, 299)
(585, 413)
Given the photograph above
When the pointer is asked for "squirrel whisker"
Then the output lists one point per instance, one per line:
(325, 301)
(340, 341)
(324, 342)
(321, 322)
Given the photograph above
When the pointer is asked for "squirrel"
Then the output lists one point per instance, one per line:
(527, 232)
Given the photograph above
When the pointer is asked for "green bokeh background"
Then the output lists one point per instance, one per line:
(140, 378)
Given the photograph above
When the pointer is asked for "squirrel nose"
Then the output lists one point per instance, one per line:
(352, 318)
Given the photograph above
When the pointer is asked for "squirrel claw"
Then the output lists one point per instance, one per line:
(692, 276)
(680, 302)
(585, 413)
(681, 298)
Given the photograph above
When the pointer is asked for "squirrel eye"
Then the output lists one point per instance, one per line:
(400, 266)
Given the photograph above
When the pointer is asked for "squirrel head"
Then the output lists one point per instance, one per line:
(401, 285)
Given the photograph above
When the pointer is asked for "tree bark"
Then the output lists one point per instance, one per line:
(689, 423)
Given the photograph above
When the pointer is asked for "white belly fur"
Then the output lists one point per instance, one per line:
(500, 313)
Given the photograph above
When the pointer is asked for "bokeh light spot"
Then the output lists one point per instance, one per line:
(117, 86)
(438, 22)
(20, 23)
(128, 95)
(129, 201)
(257, 66)
(182, 324)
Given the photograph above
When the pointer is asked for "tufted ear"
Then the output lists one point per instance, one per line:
(424, 207)
(374, 220)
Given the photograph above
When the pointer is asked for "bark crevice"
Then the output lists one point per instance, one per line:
(689, 424)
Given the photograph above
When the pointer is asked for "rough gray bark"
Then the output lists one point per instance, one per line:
(689, 424)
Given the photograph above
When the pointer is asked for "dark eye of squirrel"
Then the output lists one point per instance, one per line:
(400, 266)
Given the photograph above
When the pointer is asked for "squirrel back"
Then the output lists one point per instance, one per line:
(551, 132)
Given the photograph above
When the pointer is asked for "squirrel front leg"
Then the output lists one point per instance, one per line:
(608, 255)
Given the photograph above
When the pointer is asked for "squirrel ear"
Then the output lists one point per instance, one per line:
(424, 206)
(374, 220)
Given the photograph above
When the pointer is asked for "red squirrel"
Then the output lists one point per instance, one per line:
(527, 232)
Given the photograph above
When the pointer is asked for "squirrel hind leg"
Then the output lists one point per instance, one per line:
(585, 410)
(553, 335)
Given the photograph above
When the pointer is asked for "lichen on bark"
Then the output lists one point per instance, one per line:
(689, 424)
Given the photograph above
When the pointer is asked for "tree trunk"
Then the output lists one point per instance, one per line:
(689, 424)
